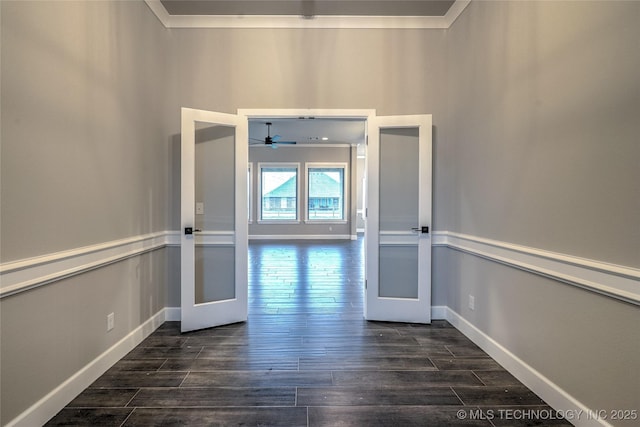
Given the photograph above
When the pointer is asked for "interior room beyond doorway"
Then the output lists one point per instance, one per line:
(306, 177)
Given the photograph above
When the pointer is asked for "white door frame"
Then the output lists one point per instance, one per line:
(369, 115)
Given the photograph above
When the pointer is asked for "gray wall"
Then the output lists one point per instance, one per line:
(84, 155)
(535, 123)
(542, 141)
(84, 161)
(543, 101)
(91, 97)
(393, 71)
(50, 333)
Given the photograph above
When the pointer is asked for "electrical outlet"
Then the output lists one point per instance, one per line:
(111, 320)
(472, 302)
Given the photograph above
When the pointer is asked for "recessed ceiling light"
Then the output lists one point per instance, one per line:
(324, 138)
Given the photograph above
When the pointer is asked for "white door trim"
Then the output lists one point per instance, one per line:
(424, 121)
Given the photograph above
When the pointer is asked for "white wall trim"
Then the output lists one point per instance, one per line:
(291, 21)
(215, 238)
(172, 314)
(550, 392)
(173, 238)
(21, 275)
(48, 406)
(300, 237)
(160, 11)
(454, 11)
(616, 281)
(398, 238)
(439, 312)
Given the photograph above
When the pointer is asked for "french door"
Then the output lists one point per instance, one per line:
(398, 227)
(214, 156)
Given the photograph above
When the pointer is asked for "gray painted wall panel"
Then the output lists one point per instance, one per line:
(542, 143)
(84, 162)
(587, 344)
(543, 101)
(392, 71)
(84, 157)
(50, 333)
(536, 145)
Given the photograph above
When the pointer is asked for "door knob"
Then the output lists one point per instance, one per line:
(423, 229)
(191, 230)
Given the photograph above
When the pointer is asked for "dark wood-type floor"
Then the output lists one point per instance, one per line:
(306, 357)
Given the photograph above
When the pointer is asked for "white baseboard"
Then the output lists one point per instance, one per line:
(47, 407)
(300, 237)
(550, 392)
(172, 314)
(439, 312)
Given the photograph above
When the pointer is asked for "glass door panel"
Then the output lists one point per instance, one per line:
(398, 259)
(213, 215)
(398, 245)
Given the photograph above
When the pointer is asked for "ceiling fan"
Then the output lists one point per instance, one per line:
(272, 141)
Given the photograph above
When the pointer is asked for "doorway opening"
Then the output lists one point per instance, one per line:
(286, 197)
(306, 224)
(306, 177)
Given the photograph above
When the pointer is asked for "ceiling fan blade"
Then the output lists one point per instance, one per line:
(287, 142)
(256, 139)
(276, 138)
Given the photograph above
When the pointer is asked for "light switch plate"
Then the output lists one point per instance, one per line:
(199, 208)
(111, 320)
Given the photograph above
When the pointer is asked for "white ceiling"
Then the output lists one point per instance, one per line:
(310, 130)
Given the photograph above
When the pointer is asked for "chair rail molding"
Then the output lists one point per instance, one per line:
(615, 281)
(22, 275)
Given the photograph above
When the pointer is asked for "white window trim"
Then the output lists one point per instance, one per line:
(345, 191)
(262, 165)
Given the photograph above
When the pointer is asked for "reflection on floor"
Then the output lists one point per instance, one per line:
(306, 357)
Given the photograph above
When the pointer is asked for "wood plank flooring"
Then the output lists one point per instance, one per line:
(306, 357)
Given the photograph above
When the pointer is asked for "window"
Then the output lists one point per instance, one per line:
(279, 192)
(326, 192)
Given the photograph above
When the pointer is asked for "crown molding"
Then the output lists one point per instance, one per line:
(318, 22)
